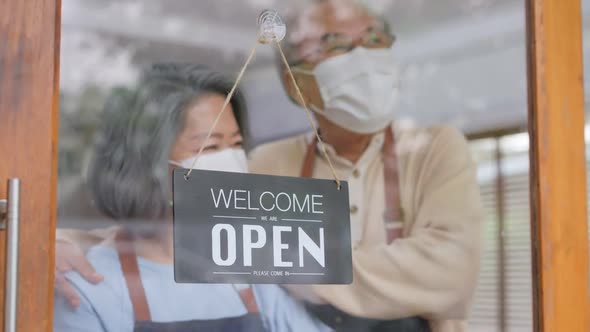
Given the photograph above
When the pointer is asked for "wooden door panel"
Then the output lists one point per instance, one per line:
(29, 92)
(558, 165)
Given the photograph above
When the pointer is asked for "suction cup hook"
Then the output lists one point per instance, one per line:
(271, 27)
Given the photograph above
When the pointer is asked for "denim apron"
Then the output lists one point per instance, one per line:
(250, 322)
(393, 217)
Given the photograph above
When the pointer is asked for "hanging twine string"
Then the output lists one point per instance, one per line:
(227, 100)
(309, 114)
(264, 39)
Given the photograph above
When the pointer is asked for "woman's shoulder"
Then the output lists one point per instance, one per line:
(111, 290)
(105, 260)
(283, 312)
(105, 304)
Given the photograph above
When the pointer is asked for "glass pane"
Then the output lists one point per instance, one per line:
(142, 83)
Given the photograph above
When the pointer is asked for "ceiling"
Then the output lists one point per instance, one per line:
(463, 61)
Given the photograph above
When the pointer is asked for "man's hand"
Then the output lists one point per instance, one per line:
(70, 257)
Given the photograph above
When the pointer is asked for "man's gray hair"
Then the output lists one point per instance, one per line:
(129, 173)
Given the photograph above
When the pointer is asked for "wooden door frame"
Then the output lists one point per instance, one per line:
(558, 165)
(29, 93)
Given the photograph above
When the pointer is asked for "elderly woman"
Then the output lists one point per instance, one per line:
(159, 125)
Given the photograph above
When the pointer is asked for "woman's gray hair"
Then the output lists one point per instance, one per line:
(129, 175)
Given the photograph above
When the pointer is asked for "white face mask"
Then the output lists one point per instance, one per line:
(360, 89)
(228, 160)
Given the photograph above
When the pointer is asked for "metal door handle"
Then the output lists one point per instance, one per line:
(9, 213)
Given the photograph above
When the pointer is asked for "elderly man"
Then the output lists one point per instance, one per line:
(415, 206)
(424, 261)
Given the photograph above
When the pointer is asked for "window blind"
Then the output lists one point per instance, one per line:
(510, 197)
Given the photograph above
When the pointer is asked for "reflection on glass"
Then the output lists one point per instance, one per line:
(418, 64)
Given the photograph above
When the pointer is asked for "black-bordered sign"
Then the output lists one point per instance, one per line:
(248, 228)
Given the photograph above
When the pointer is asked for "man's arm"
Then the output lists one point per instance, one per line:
(70, 248)
(433, 271)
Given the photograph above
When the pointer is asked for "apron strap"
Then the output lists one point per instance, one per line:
(141, 310)
(393, 214)
(247, 296)
(128, 259)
